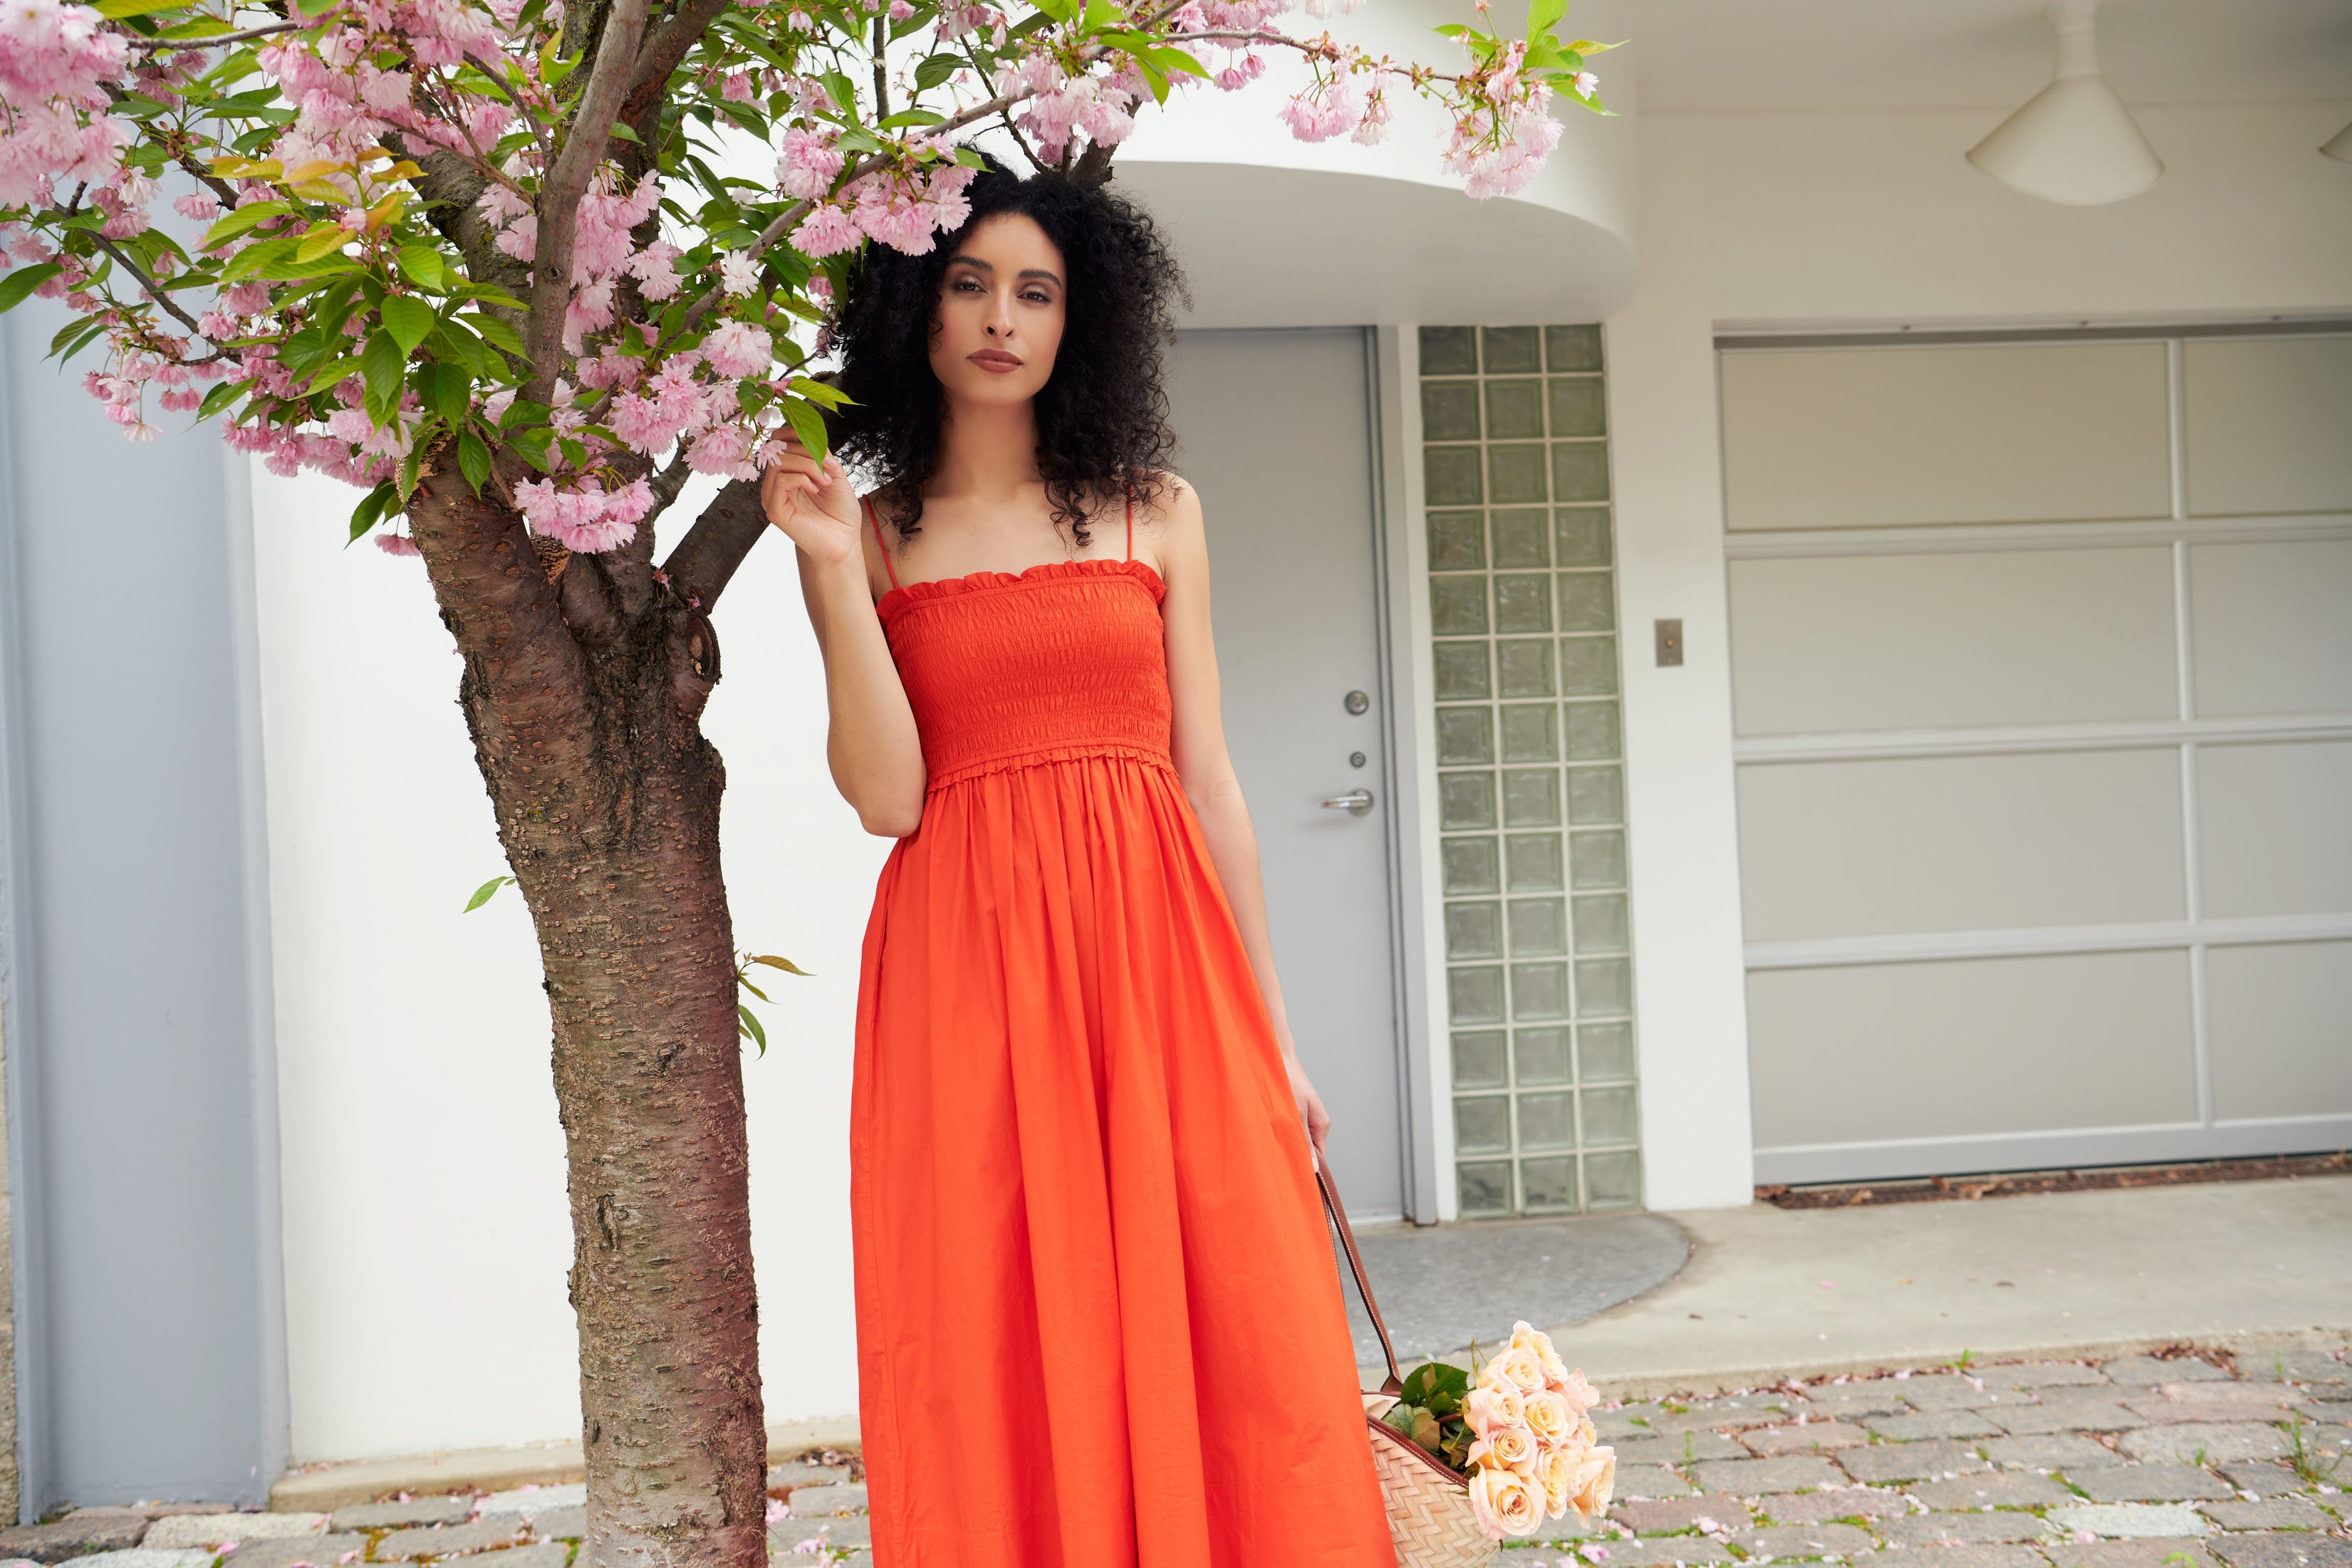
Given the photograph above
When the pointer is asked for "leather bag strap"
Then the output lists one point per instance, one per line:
(1331, 1204)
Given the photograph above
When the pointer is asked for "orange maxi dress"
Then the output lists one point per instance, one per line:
(1098, 1321)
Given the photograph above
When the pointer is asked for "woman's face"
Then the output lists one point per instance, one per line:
(999, 313)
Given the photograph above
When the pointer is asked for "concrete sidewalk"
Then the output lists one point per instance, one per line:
(1771, 1294)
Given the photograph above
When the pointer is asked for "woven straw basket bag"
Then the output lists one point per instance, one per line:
(1429, 1505)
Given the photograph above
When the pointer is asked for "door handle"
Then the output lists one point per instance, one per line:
(1355, 802)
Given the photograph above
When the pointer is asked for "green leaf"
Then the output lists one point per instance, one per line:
(364, 517)
(751, 1029)
(935, 70)
(332, 374)
(1543, 15)
(786, 965)
(220, 397)
(906, 116)
(845, 96)
(808, 425)
(233, 224)
(15, 285)
(408, 320)
(533, 443)
(448, 389)
(473, 460)
(253, 258)
(320, 239)
(520, 411)
(754, 991)
(422, 265)
(115, 10)
(497, 332)
(820, 393)
(482, 894)
(74, 333)
(200, 27)
(382, 362)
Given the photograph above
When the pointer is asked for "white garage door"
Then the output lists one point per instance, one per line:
(2042, 680)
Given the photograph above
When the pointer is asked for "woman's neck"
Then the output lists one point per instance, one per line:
(986, 454)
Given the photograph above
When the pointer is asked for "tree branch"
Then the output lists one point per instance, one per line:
(506, 616)
(214, 40)
(665, 51)
(155, 289)
(587, 600)
(567, 183)
(700, 567)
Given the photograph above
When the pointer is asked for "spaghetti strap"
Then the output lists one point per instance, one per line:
(1130, 525)
(876, 519)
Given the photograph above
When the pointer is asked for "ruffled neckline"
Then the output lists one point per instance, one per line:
(980, 582)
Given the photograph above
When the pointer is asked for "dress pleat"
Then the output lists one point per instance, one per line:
(1098, 1323)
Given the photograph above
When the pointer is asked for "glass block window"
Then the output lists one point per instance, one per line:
(1531, 783)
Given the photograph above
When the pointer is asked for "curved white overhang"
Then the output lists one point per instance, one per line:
(1277, 232)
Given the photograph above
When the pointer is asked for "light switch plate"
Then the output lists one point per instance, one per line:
(1670, 643)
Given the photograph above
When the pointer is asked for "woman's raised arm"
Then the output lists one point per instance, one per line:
(875, 755)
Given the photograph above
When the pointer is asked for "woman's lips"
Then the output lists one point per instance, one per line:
(995, 359)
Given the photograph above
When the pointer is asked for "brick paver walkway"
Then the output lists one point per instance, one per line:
(2138, 1463)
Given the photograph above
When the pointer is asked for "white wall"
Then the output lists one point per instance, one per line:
(427, 1231)
(1847, 218)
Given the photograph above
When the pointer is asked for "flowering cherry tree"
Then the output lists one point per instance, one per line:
(477, 258)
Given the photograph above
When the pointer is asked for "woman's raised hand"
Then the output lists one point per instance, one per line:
(813, 503)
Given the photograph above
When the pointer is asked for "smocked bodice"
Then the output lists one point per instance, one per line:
(1065, 660)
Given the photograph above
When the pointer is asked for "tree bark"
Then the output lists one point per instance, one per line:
(607, 795)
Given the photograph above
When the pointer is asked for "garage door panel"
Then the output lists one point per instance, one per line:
(2281, 1029)
(2265, 425)
(2270, 627)
(1930, 642)
(2276, 822)
(1971, 1048)
(1999, 433)
(1959, 843)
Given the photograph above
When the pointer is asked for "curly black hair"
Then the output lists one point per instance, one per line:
(1102, 415)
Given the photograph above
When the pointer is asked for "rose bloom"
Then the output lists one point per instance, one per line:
(1492, 1409)
(1511, 1448)
(1549, 1417)
(1555, 1473)
(1571, 1387)
(1519, 1367)
(1596, 1482)
(1505, 1503)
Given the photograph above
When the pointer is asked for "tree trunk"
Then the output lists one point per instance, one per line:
(607, 795)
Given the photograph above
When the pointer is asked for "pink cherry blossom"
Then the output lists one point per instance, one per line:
(738, 348)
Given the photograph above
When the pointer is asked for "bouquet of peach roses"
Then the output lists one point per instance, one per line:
(1516, 1426)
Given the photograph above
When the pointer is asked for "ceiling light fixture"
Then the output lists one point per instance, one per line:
(2074, 143)
(2339, 146)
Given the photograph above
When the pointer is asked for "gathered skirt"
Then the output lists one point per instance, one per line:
(1099, 1321)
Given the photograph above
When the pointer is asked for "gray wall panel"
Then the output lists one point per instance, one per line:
(2270, 628)
(2273, 821)
(1933, 641)
(2281, 1029)
(137, 1033)
(1877, 846)
(1892, 1051)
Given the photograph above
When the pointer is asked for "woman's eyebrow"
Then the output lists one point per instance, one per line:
(1025, 272)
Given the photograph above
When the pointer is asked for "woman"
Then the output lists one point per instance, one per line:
(1098, 1323)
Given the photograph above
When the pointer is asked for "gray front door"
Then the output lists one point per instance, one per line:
(1275, 429)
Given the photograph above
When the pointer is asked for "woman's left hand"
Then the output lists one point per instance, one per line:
(1310, 1107)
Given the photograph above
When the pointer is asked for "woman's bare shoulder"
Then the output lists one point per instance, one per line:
(1170, 505)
